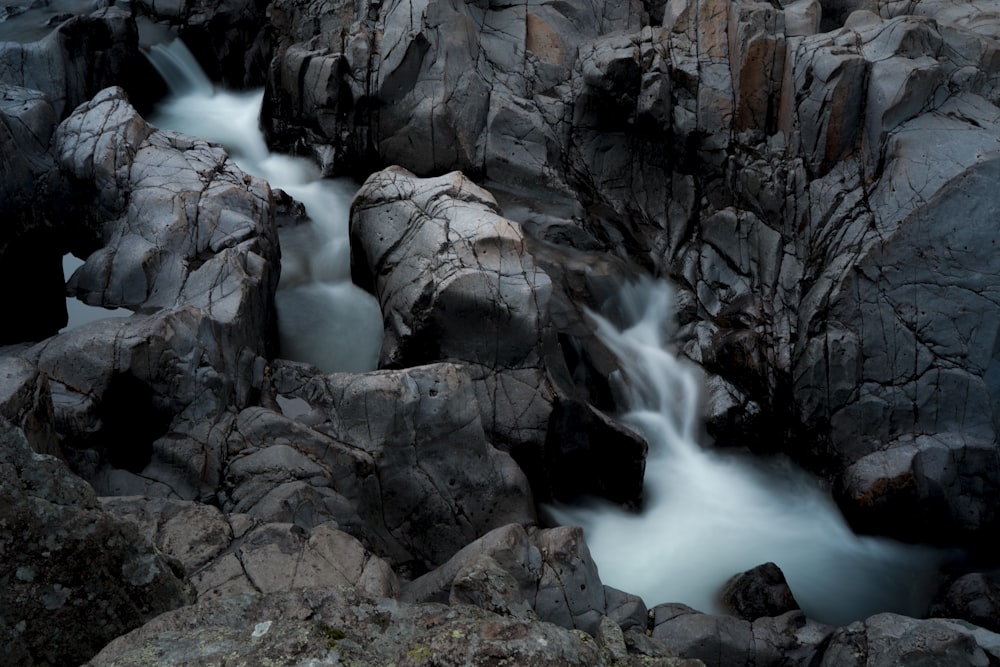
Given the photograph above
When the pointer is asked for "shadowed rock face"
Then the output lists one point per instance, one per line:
(67, 564)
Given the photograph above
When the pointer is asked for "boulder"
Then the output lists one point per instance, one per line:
(972, 597)
(889, 639)
(759, 592)
(788, 639)
(68, 564)
(400, 459)
(554, 572)
(77, 59)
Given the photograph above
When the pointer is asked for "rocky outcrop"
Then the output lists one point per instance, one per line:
(399, 459)
(456, 282)
(68, 564)
(813, 175)
(342, 625)
(77, 59)
(549, 572)
(775, 171)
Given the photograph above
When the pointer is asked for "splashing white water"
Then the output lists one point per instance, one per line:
(710, 515)
(323, 318)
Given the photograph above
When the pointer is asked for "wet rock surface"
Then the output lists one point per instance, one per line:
(818, 178)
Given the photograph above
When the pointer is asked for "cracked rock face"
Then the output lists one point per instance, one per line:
(799, 168)
(818, 177)
(345, 626)
(397, 458)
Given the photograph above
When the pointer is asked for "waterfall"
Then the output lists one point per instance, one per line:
(709, 515)
(323, 318)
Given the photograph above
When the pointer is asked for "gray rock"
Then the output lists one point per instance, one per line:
(971, 597)
(759, 592)
(77, 59)
(553, 568)
(889, 639)
(483, 583)
(224, 555)
(789, 639)
(403, 455)
(26, 402)
(335, 625)
(68, 564)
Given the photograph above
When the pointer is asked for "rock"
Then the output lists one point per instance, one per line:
(483, 583)
(229, 555)
(343, 625)
(416, 483)
(446, 254)
(971, 597)
(717, 640)
(68, 564)
(759, 592)
(590, 453)
(26, 402)
(889, 639)
(626, 609)
(726, 640)
(463, 87)
(205, 289)
(77, 59)
(553, 568)
(457, 283)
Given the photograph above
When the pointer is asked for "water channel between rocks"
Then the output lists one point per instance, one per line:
(707, 516)
(323, 318)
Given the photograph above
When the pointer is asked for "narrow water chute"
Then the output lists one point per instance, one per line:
(710, 515)
(323, 318)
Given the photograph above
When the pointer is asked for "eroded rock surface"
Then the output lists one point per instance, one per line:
(68, 564)
(342, 626)
(818, 177)
(797, 167)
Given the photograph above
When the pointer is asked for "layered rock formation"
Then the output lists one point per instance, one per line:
(816, 177)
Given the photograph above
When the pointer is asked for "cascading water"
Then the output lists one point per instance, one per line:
(710, 515)
(323, 318)
(707, 516)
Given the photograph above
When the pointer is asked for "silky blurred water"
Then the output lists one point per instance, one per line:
(709, 515)
(323, 318)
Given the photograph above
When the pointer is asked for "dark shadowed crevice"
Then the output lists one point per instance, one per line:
(132, 422)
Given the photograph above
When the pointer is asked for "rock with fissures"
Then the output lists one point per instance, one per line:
(69, 564)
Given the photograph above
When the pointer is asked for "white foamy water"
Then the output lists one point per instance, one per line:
(323, 318)
(710, 515)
